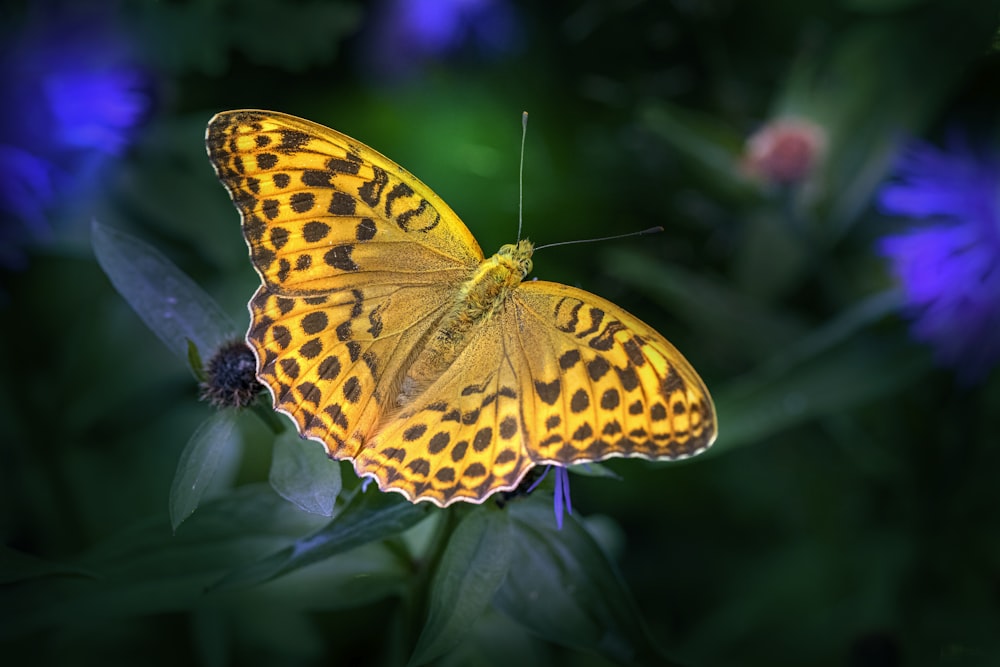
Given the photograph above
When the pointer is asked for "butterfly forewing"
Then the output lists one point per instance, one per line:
(358, 260)
(321, 211)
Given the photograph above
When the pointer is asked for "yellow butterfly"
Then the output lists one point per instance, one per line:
(383, 332)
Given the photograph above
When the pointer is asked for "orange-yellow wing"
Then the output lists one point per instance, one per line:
(358, 260)
(609, 385)
(557, 376)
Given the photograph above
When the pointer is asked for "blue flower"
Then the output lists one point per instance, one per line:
(72, 95)
(561, 503)
(409, 33)
(948, 261)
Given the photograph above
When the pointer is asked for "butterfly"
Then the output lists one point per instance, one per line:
(384, 333)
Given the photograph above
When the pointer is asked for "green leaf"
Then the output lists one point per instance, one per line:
(742, 326)
(844, 378)
(562, 587)
(471, 569)
(831, 369)
(213, 446)
(303, 473)
(235, 528)
(706, 142)
(593, 470)
(17, 567)
(773, 256)
(355, 578)
(367, 517)
(145, 569)
(195, 362)
(166, 299)
(847, 324)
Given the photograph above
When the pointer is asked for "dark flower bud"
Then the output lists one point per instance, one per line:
(231, 377)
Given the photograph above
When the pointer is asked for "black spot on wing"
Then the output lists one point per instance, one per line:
(548, 391)
(339, 257)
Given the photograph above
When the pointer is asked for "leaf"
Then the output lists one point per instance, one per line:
(303, 473)
(166, 299)
(195, 362)
(831, 369)
(847, 324)
(846, 377)
(368, 517)
(358, 577)
(593, 470)
(145, 569)
(704, 141)
(562, 587)
(16, 566)
(248, 522)
(471, 569)
(213, 446)
(740, 326)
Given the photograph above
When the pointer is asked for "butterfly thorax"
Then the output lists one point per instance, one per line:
(488, 288)
(492, 284)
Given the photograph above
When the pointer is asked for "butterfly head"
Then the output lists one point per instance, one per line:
(519, 254)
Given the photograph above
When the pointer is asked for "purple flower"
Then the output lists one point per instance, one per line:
(409, 33)
(562, 495)
(948, 262)
(72, 95)
(561, 502)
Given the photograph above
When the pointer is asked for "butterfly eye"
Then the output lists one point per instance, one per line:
(526, 267)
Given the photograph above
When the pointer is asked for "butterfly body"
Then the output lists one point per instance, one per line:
(383, 332)
(488, 289)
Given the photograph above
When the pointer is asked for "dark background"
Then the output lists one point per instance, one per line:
(847, 514)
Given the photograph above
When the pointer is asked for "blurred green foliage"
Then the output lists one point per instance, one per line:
(846, 515)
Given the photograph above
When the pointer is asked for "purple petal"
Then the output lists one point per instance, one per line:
(558, 503)
(410, 33)
(538, 481)
(73, 95)
(562, 499)
(949, 266)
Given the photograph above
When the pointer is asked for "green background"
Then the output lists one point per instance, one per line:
(847, 514)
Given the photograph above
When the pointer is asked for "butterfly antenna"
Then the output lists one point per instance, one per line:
(651, 230)
(520, 175)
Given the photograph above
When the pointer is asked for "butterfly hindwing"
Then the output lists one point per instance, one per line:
(608, 384)
(464, 437)
(558, 376)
